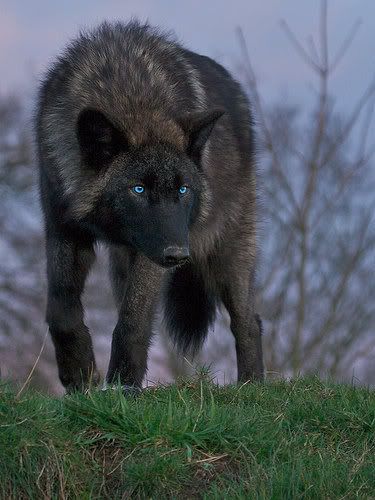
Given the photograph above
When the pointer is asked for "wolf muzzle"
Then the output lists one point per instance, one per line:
(175, 255)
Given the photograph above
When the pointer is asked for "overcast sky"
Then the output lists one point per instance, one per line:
(32, 32)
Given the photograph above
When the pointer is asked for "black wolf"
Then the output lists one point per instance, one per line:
(147, 147)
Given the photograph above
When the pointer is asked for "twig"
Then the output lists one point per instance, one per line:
(346, 44)
(299, 48)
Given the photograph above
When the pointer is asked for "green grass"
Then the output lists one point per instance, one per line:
(278, 440)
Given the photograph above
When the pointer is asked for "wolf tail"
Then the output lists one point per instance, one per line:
(190, 309)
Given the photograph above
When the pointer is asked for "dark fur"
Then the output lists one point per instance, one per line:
(124, 106)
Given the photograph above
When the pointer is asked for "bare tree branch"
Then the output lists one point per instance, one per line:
(299, 48)
(316, 284)
(346, 45)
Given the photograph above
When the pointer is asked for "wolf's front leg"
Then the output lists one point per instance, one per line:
(68, 263)
(132, 335)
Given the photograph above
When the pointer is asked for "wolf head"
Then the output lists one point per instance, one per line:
(150, 193)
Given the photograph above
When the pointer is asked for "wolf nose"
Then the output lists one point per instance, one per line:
(174, 255)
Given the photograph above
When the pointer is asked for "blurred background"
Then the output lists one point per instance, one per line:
(309, 69)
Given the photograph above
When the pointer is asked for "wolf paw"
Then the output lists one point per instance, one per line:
(128, 390)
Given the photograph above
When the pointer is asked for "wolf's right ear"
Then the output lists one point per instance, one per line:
(98, 138)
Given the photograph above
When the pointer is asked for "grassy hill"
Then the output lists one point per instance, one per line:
(298, 439)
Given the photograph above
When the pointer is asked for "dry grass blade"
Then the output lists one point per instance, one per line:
(34, 366)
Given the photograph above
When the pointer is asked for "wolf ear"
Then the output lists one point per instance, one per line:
(98, 138)
(198, 127)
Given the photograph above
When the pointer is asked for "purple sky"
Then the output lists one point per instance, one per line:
(32, 32)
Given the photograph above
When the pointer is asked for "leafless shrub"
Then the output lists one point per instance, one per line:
(317, 285)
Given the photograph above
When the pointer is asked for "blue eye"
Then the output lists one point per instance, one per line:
(183, 190)
(138, 189)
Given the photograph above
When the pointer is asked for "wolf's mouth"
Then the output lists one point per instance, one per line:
(179, 263)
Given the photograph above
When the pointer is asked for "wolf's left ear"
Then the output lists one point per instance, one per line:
(198, 127)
